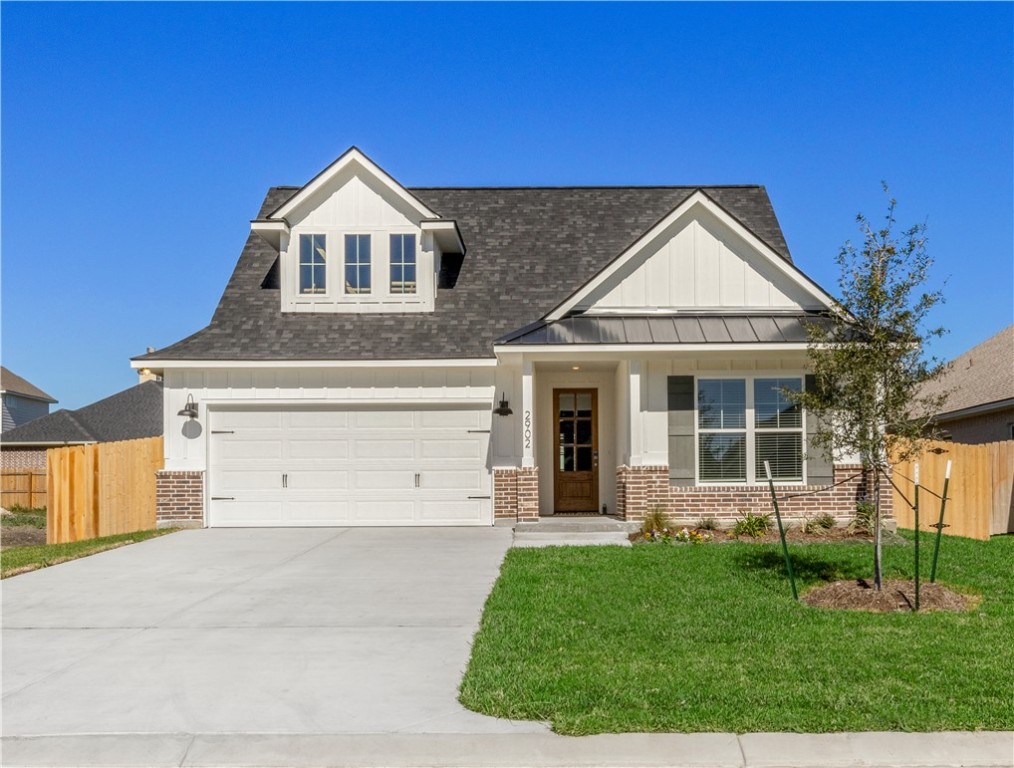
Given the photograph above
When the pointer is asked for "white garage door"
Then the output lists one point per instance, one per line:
(356, 466)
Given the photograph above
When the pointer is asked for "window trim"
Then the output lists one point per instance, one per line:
(751, 430)
(299, 265)
(402, 264)
(357, 264)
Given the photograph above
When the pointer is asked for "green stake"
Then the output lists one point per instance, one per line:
(915, 509)
(781, 531)
(940, 523)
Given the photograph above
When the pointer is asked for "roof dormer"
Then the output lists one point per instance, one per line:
(354, 240)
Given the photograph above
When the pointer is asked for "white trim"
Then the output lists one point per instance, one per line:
(584, 349)
(352, 156)
(701, 199)
(43, 444)
(270, 231)
(446, 234)
(481, 362)
(246, 404)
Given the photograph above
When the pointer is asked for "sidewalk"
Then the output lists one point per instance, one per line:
(711, 750)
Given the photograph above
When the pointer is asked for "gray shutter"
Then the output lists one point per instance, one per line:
(819, 471)
(681, 430)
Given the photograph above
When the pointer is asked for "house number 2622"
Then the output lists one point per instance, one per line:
(528, 429)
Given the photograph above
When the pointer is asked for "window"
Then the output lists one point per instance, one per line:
(741, 423)
(721, 422)
(357, 264)
(778, 429)
(402, 263)
(312, 263)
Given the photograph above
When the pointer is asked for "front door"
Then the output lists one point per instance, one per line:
(576, 469)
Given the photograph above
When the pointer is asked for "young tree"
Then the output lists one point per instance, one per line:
(869, 358)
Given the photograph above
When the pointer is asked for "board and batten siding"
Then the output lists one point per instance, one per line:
(309, 386)
(698, 263)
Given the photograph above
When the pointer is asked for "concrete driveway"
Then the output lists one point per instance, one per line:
(253, 631)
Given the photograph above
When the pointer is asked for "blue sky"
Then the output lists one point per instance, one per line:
(138, 139)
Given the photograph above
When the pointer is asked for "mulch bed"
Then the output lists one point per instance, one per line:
(794, 535)
(897, 595)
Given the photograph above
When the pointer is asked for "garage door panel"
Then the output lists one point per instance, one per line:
(469, 510)
(385, 449)
(241, 450)
(450, 449)
(317, 479)
(384, 479)
(383, 419)
(318, 449)
(451, 479)
(349, 467)
(235, 480)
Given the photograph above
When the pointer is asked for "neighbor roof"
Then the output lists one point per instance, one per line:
(529, 248)
(11, 382)
(127, 415)
(982, 376)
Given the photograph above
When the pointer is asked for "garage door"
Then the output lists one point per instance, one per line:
(361, 466)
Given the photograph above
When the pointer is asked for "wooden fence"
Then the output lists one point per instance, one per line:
(22, 488)
(102, 489)
(980, 500)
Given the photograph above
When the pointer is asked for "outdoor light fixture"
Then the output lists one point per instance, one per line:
(190, 409)
(504, 408)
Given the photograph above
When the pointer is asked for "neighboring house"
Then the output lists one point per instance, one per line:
(980, 392)
(127, 415)
(455, 356)
(22, 400)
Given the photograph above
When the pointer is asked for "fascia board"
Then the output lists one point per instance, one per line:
(352, 156)
(697, 198)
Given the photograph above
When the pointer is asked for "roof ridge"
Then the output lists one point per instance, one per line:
(82, 423)
(588, 186)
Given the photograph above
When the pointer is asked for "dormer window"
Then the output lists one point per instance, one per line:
(403, 264)
(312, 263)
(357, 264)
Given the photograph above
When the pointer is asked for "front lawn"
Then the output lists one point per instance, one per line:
(22, 559)
(707, 638)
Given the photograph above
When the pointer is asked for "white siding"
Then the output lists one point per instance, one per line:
(331, 386)
(698, 262)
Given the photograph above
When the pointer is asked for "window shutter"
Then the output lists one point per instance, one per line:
(819, 471)
(681, 430)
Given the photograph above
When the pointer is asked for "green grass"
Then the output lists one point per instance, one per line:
(22, 559)
(708, 638)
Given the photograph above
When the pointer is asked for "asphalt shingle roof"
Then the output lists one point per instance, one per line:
(982, 375)
(127, 415)
(528, 249)
(11, 382)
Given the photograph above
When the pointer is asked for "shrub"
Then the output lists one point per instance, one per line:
(707, 524)
(865, 518)
(656, 523)
(818, 525)
(752, 525)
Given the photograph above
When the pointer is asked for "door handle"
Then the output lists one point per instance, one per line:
(285, 480)
(418, 479)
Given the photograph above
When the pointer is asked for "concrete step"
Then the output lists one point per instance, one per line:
(578, 525)
(523, 538)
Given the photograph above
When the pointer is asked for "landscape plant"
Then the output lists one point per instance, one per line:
(870, 362)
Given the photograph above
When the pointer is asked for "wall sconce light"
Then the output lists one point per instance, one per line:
(504, 408)
(190, 409)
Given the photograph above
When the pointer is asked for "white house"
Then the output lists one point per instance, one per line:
(458, 356)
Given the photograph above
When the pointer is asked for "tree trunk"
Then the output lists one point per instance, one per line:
(878, 576)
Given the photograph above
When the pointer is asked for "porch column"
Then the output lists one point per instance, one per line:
(634, 414)
(528, 474)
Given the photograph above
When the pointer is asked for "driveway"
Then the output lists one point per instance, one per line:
(253, 631)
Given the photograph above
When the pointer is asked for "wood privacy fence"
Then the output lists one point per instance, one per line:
(102, 489)
(22, 488)
(979, 499)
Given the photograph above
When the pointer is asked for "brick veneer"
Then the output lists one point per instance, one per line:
(639, 489)
(179, 499)
(516, 494)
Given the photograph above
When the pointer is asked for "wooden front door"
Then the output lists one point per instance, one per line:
(576, 468)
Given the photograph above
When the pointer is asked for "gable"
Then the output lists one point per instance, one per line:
(353, 198)
(698, 257)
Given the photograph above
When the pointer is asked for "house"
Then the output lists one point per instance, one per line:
(980, 392)
(385, 355)
(133, 413)
(22, 400)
